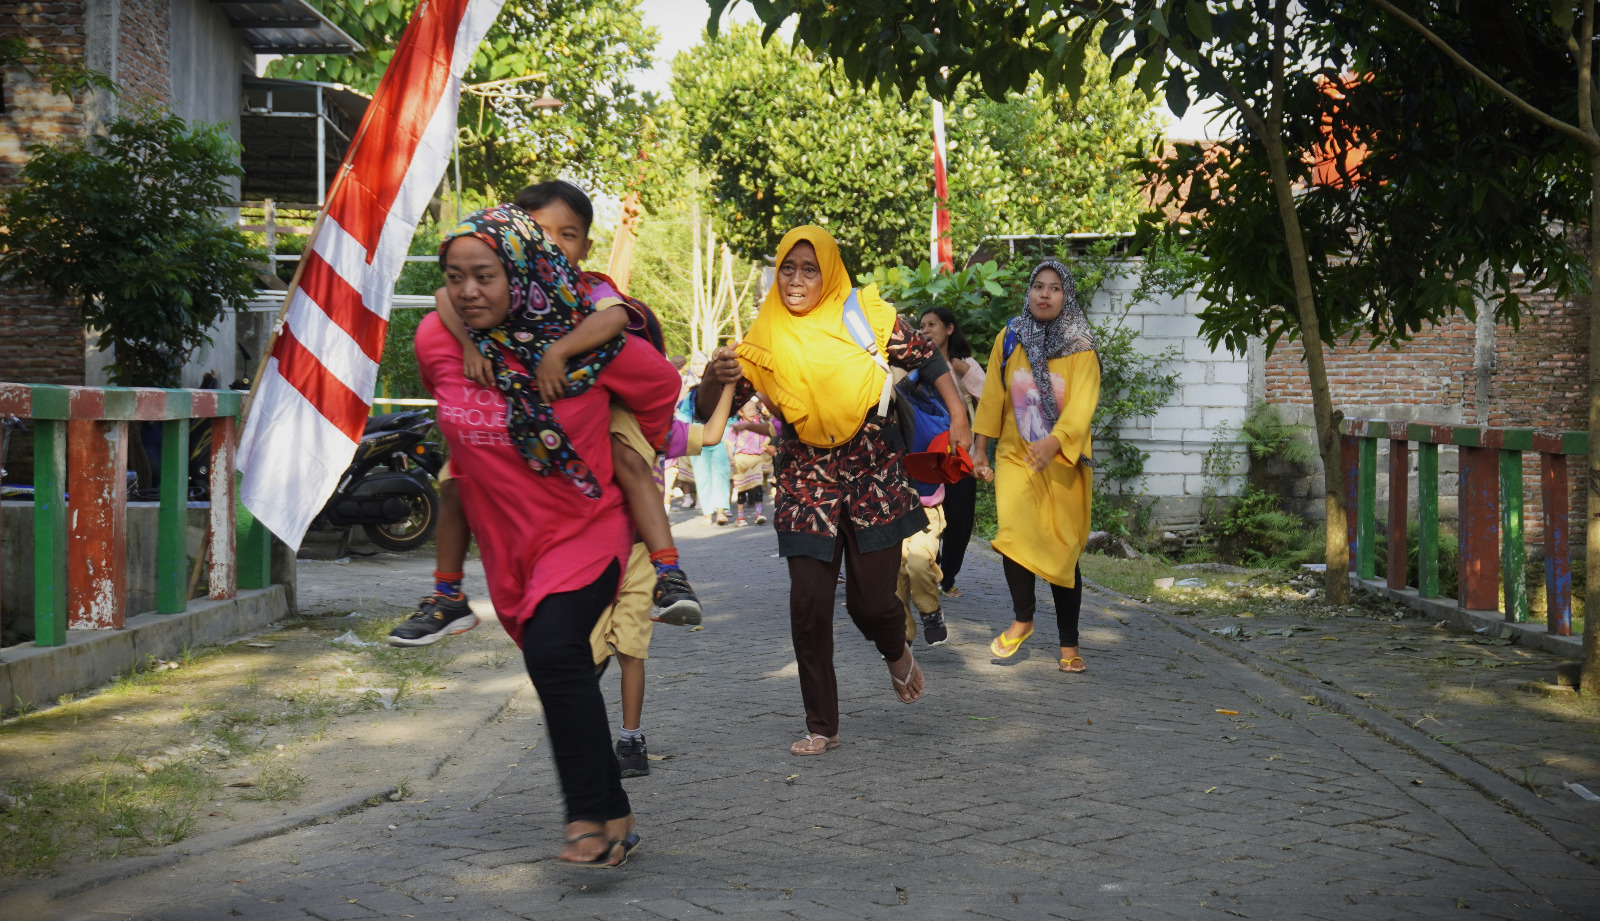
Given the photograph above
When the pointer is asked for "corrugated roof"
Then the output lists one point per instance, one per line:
(286, 27)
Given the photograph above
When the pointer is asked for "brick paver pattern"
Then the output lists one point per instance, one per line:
(1009, 791)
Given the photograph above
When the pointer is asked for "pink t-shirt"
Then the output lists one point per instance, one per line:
(538, 534)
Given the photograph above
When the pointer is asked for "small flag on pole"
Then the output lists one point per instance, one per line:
(939, 246)
(312, 400)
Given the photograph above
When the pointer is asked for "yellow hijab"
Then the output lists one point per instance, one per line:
(808, 366)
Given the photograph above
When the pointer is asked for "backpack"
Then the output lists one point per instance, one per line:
(922, 413)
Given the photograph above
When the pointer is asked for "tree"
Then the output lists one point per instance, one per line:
(1338, 265)
(128, 224)
(788, 140)
(582, 52)
(1540, 59)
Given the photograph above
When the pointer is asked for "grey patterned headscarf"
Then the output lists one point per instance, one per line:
(1068, 334)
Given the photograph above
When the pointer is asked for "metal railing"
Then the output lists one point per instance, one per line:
(1492, 551)
(80, 450)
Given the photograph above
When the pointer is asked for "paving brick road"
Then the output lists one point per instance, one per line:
(1009, 791)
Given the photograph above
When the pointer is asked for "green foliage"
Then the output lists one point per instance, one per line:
(128, 224)
(1251, 526)
(1267, 436)
(790, 140)
(582, 52)
(1256, 532)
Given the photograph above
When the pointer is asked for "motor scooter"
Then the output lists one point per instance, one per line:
(390, 488)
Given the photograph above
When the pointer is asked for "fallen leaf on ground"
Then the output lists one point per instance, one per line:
(1229, 712)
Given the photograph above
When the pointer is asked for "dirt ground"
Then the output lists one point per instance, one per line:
(312, 711)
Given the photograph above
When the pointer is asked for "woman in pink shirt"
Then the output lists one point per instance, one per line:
(536, 486)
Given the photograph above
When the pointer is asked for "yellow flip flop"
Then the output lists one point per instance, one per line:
(1004, 649)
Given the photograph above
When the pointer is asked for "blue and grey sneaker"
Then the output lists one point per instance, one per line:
(437, 617)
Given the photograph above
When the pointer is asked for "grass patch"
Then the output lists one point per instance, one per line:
(110, 812)
(276, 782)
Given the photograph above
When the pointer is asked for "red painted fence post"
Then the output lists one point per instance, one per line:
(223, 576)
(1554, 499)
(97, 514)
(1479, 542)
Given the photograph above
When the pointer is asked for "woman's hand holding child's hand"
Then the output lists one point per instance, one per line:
(1041, 452)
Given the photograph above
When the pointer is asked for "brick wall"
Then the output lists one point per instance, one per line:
(1538, 379)
(145, 48)
(41, 341)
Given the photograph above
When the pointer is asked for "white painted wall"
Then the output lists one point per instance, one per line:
(1214, 393)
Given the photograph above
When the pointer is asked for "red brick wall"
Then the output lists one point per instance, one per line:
(146, 47)
(1539, 381)
(42, 342)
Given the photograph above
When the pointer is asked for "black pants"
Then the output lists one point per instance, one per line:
(870, 600)
(1068, 600)
(555, 647)
(960, 503)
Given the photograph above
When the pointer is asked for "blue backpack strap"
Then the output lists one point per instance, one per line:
(855, 323)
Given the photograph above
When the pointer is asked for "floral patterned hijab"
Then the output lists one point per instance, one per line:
(548, 301)
(1067, 334)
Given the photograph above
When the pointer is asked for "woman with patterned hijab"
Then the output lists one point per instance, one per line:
(820, 352)
(536, 486)
(1042, 388)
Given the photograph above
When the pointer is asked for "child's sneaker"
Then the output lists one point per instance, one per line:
(934, 632)
(740, 522)
(760, 518)
(675, 599)
(437, 617)
(633, 757)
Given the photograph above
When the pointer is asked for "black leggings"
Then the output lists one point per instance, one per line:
(1068, 600)
(960, 504)
(555, 647)
(752, 496)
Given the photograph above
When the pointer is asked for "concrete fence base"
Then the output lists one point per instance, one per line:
(37, 675)
(1532, 634)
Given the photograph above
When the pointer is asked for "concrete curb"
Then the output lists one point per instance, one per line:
(1537, 811)
(28, 901)
(34, 675)
(1534, 637)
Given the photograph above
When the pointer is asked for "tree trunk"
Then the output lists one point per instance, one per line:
(1338, 547)
(1590, 680)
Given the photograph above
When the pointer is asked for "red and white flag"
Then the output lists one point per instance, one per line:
(939, 239)
(313, 400)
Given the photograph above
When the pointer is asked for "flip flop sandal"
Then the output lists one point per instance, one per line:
(627, 846)
(951, 592)
(905, 684)
(1005, 649)
(807, 745)
(603, 859)
(1066, 664)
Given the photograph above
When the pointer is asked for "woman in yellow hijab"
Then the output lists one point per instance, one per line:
(843, 494)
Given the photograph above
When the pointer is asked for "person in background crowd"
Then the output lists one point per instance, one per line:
(1039, 401)
(751, 462)
(960, 498)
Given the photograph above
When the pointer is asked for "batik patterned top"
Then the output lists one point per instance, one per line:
(863, 477)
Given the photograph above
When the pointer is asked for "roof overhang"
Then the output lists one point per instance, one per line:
(286, 27)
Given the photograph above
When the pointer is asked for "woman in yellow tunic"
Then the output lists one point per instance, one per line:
(1038, 403)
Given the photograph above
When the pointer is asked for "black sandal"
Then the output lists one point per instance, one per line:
(603, 859)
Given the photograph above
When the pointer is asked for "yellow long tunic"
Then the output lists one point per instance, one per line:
(1044, 517)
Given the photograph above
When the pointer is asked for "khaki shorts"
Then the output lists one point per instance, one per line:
(626, 427)
(626, 625)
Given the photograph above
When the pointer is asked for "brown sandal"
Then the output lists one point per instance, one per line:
(902, 687)
(813, 744)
